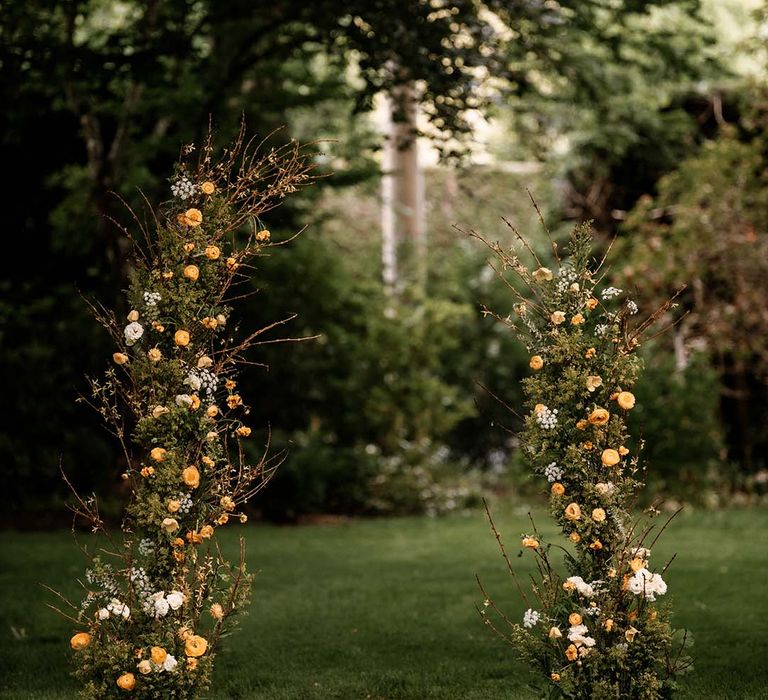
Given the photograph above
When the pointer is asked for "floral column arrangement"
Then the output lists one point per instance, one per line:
(156, 607)
(599, 632)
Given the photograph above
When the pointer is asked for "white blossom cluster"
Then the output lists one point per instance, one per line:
(151, 298)
(115, 609)
(632, 307)
(530, 618)
(159, 604)
(553, 472)
(643, 582)
(139, 579)
(185, 502)
(104, 582)
(601, 329)
(146, 547)
(183, 188)
(133, 331)
(202, 380)
(610, 292)
(547, 418)
(565, 278)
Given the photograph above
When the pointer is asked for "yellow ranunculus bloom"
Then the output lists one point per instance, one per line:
(577, 320)
(158, 454)
(207, 187)
(195, 646)
(126, 682)
(571, 653)
(591, 303)
(120, 358)
(574, 619)
(574, 537)
(536, 362)
(573, 511)
(608, 625)
(262, 236)
(626, 400)
(154, 355)
(192, 217)
(593, 382)
(599, 416)
(181, 338)
(557, 317)
(530, 543)
(192, 272)
(212, 252)
(158, 655)
(191, 476)
(610, 457)
(558, 489)
(80, 641)
(590, 353)
(554, 676)
(206, 531)
(144, 667)
(598, 515)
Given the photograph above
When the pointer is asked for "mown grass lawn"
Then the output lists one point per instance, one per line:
(384, 609)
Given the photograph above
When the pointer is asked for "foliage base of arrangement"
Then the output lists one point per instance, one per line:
(601, 631)
(159, 595)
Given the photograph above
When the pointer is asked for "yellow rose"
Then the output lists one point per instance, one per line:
(558, 489)
(158, 654)
(174, 506)
(154, 355)
(170, 525)
(262, 236)
(630, 634)
(598, 515)
(530, 543)
(207, 187)
(126, 682)
(158, 454)
(577, 320)
(192, 218)
(120, 358)
(191, 476)
(80, 641)
(195, 646)
(206, 531)
(573, 511)
(539, 407)
(212, 252)
(192, 272)
(554, 676)
(610, 457)
(133, 315)
(599, 416)
(557, 317)
(571, 653)
(195, 402)
(555, 633)
(591, 303)
(217, 612)
(212, 411)
(574, 537)
(147, 471)
(181, 338)
(144, 667)
(574, 619)
(626, 400)
(536, 362)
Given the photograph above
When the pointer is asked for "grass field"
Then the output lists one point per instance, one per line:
(385, 609)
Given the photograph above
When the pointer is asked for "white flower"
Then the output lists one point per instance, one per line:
(601, 329)
(605, 488)
(170, 663)
(160, 604)
(609, 292)
(643, 582)
(631, 307)
(547, 418)
(577, 634)
(175, 599)
(553, 472)
(183, 188)
(582, 587)
(530, 618)
(151, 298)
(119, 609)
(183, 400)
(133, 331)
(102, 614)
